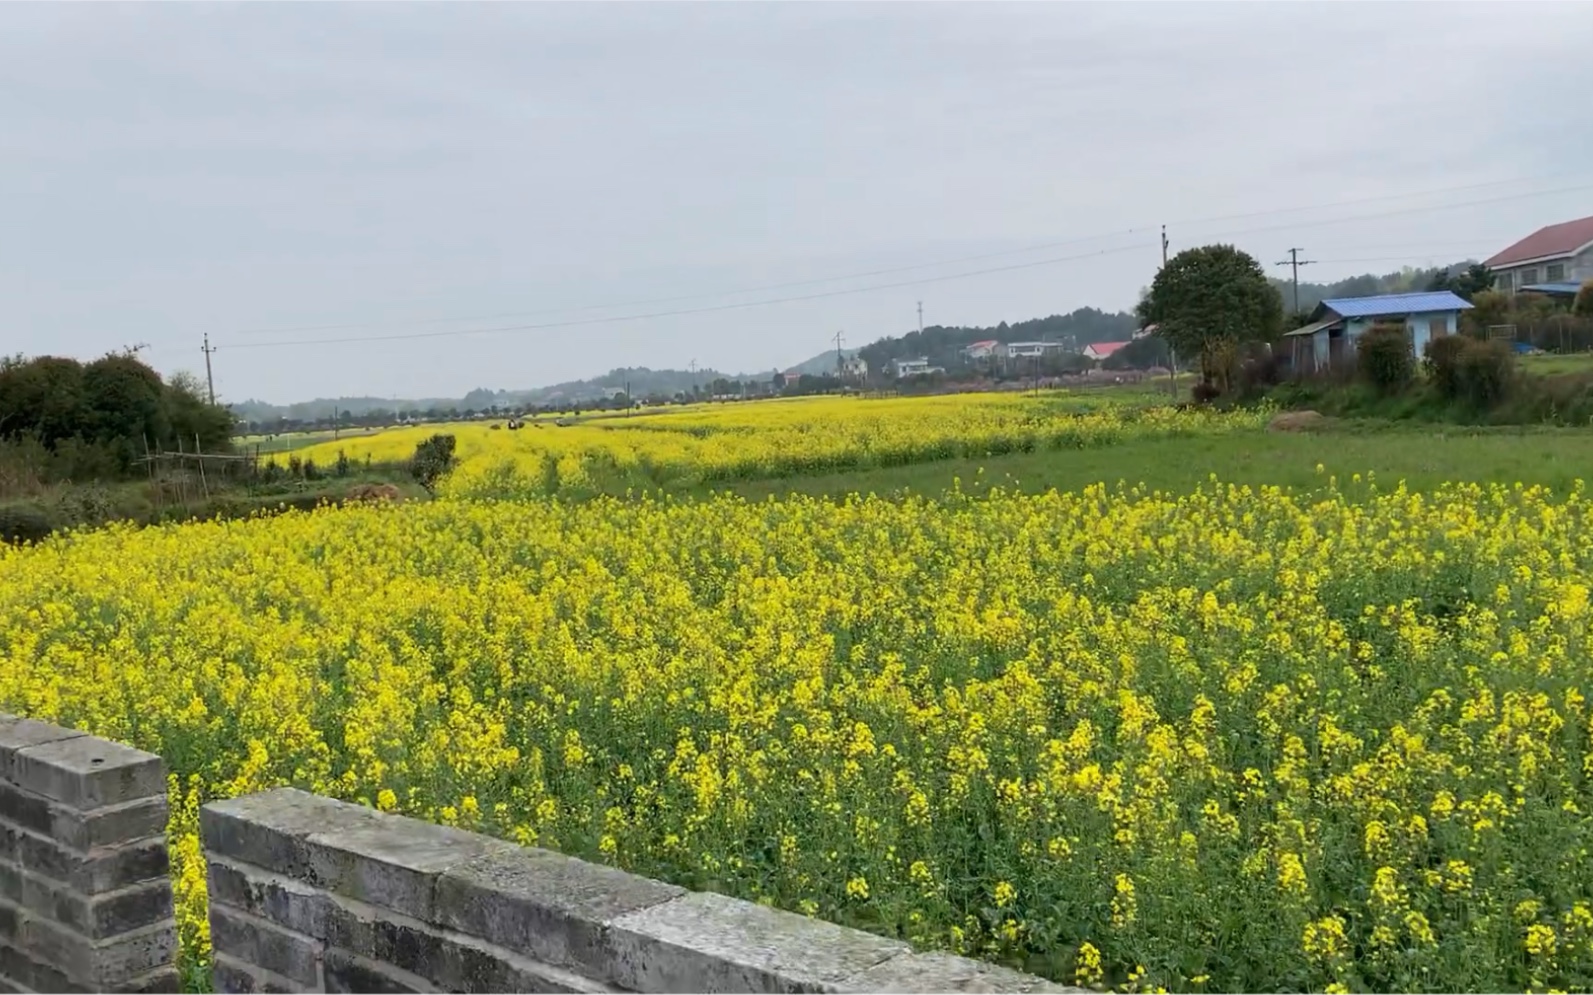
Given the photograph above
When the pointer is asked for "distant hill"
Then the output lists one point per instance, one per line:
(823, 363)
(941, 344)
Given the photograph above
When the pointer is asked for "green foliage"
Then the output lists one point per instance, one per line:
(1384, 358)
(1489, 308)
(1583, 308)
(432, 460)
(94, 419)
(1442, 364)
(1485, 371)
(1207, 300)
(1466, 283)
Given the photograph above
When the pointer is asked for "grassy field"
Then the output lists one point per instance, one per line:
(1551, 364)
(1419, 456)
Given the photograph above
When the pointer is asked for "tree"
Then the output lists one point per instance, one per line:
(1467, 283)
(1583, 308)
(1208, 300)
(432, 461)
(1489, 308)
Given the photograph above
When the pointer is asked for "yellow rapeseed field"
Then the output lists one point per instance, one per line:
(1230, 740)
(710, 443)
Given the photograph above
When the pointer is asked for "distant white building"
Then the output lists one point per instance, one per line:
(855, 368)
(900, 368)
(1030, 350)
(981, 350)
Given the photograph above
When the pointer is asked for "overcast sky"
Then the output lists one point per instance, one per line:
(172, 170)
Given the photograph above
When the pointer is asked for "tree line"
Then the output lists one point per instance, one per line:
(93, 420)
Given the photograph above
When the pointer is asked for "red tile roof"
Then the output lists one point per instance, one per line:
(1555, 240)
(1105, 348)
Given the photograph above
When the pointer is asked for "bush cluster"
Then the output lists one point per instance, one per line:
(1476, 371)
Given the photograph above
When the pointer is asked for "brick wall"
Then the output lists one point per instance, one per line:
(311, 894)
(85, 896)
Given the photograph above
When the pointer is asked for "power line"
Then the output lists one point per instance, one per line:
(684, 311)
(449, 333)
(904, 269)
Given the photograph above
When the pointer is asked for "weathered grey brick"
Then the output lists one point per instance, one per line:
(394, 863)
(104, 963)
(29, 972)
(164, 979)
(280, 900)
(86, 772)
(110, 825)
(257, 942)
(450, 959)
(100, 869)
(943, 972)
(96, 916)
(709, 943)
(18, 734)
(346, 972)
(271, 829)
(542, 904)
(237, 978)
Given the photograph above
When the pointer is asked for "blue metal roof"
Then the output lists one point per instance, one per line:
(1393, 304)
(1567, 289)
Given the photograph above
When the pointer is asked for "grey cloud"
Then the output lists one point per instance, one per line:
(177, 169)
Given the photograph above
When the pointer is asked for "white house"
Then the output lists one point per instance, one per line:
(1559, 254)
(910, 367)
(855, 368)
(1029, 350)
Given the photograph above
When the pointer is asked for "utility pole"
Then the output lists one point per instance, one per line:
(210, 378)
(1294, 262)
(692, 366)
(840, 358)
(920, 317)
(1172, 354)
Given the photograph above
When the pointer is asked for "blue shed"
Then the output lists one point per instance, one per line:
(1336, 324)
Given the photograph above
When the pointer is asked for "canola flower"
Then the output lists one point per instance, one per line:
(1233, 740)
(771, 439)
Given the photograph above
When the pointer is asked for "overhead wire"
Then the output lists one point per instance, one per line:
(888, 271)
(820, 295)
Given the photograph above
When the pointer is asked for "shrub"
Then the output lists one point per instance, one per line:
(1485, 371)
(432, 461)
(1583, 308)
(1442, 363)
(1205, 392)
(341, 467)
(21, 523)
(1384, 359)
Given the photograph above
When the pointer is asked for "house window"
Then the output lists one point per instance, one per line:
(1501, 281)
(1556, 273)
(1527, 276)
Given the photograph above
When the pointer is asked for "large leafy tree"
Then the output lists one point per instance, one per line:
(1207, 301)
(1467, 283)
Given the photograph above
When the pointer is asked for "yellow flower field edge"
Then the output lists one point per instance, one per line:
(1230, 740)
(774, 439)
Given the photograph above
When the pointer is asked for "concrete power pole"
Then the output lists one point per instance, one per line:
(1172, 354)
(920, 317)
(840, 357)
(1294, 262)
(210, 378)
